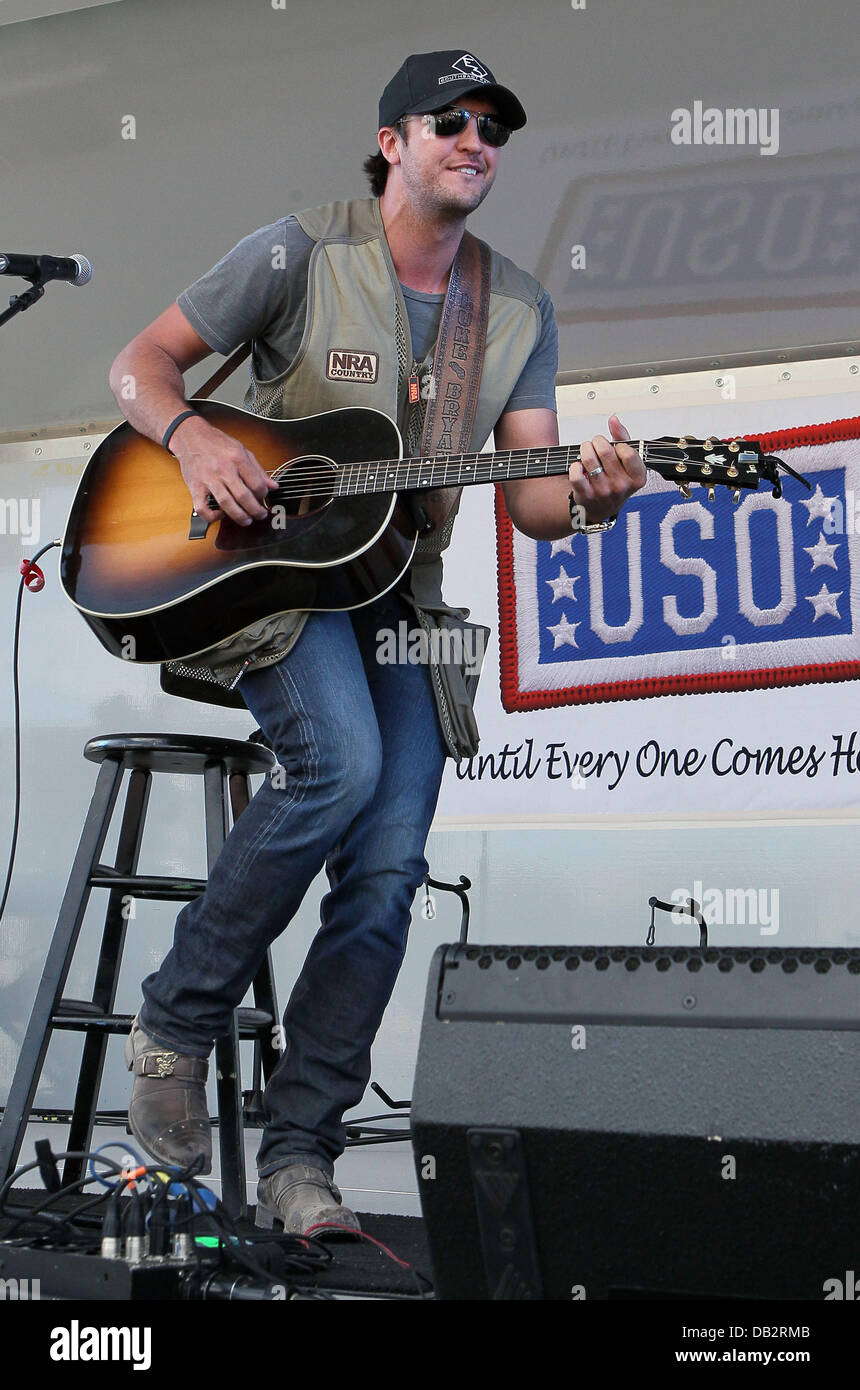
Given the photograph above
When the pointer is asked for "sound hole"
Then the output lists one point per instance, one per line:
(305, 486)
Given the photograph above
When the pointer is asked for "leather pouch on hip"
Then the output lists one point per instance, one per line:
(457, 649)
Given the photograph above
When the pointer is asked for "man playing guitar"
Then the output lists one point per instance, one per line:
(325, 296)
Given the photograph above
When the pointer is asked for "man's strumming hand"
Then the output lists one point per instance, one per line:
(213, 462)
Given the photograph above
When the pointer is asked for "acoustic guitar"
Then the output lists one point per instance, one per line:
(156, 582)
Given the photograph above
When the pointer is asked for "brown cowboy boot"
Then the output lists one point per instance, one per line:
(303, 1197)
(167, 1112)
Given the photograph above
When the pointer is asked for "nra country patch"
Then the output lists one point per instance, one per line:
(688, 596)
(347, 364)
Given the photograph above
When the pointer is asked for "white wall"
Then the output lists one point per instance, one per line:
(244, 112)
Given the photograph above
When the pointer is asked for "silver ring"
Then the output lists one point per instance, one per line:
(594, 472)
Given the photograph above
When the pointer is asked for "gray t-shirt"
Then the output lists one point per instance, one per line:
(247, 294)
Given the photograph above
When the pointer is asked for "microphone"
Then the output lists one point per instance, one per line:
(76, 269)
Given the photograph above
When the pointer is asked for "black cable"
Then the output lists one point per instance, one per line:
(691, 909)
(300, 1256)
(297, 1260)
(362, 1140)
(183, 1176)
(59, 1228)
(41, 1210)
(17, 705)
(363, 1120)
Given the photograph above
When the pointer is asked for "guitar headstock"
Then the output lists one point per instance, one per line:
(738, 464)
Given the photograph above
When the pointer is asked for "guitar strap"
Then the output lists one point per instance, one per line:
(226, 369)
(457, 363)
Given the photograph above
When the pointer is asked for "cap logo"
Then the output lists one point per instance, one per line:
(466, 68)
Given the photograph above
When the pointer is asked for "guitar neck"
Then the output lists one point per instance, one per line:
(459, 470)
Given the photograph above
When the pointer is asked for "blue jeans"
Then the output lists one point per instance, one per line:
(362, 757)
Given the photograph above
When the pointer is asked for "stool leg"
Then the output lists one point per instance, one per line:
(231, 1138)
(16, 1116)
(231, 1130)
(265, 996)
(217, 824)
(107, 973)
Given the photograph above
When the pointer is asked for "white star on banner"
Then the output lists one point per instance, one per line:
(824, 602)
(562, 586)
(822, 552)
(563, 632)
(818, 505)
(563, 545)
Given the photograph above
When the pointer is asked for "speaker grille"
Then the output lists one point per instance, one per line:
(709, 987)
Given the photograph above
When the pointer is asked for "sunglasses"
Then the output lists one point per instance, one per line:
(455, 119)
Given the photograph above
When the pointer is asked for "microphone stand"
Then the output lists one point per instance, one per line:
(19, 302)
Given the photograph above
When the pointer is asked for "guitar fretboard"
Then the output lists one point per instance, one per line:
(458, 470)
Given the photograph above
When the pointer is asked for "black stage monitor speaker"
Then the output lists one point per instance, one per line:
(613, 1122)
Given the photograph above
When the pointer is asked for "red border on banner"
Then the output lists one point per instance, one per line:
(514, 699)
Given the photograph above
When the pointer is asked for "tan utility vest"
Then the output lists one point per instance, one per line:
(355, 305)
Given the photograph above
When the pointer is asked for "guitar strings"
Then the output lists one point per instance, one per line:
(300, 478)
(554, 455)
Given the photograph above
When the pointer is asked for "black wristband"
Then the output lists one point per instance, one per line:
(168, 433)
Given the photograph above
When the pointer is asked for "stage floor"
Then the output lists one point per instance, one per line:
(359, 1268)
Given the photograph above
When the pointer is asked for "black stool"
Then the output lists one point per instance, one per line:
(225, 766)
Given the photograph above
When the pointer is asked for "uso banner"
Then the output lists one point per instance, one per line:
(644, 610)
(700, 657)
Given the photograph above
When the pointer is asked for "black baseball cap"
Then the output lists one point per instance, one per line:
(429, 81)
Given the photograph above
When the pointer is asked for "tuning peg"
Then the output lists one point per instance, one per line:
(707, 469)
(731, 471)
(711, 494)
(684, 490)
(737, 495)
(682, 443)
(735, 446)
(708, 445)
